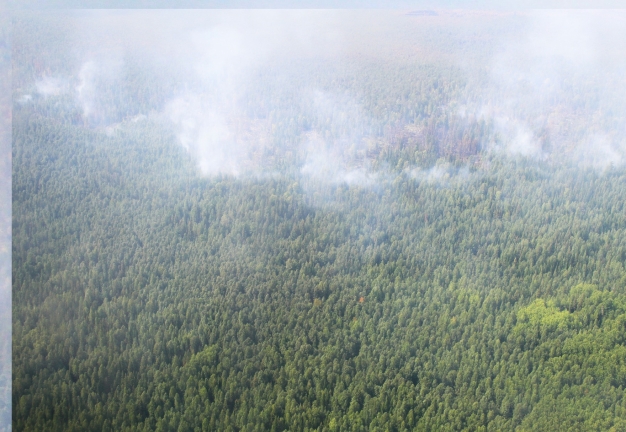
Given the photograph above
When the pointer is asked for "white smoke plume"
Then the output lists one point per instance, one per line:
(204, 133)
(555, 87)
(339, 160)
(228, 79)
(600, 152)
(442, 174)
(224, 56)
(326, 163)
(49, 86)
(85, 90)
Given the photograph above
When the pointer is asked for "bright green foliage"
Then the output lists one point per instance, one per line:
(537, 314)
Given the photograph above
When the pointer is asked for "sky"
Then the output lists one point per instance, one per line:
(317, 4)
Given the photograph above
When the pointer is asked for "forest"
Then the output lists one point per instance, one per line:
(329, 234)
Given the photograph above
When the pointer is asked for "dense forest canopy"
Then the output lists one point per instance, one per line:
(316, 220)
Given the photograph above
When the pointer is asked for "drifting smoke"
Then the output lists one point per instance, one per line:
(559, 90)
(600, 153)
(48, 86)
(226, 81)
(339, 160)
(519, 138)
(250, 91)
(99, 89)
(24, 99)
(203, 132)
(442, 174)
(85, 90)
(210, 62)
(327, 163)
(211, 120)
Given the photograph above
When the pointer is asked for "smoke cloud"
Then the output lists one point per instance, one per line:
(247, 92)
(203, 132)
(49, 86)
(556, 88)
(441, 174)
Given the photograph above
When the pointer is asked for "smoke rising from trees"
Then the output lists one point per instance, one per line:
(248, 92)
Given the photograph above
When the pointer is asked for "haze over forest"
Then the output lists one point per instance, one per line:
(319, 220)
